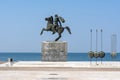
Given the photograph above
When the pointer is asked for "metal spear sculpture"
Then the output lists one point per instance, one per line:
(101, 53)
(96, 55)
(91, 53)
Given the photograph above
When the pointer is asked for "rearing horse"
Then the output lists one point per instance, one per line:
(51, 27)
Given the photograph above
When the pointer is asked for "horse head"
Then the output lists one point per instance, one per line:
(49, 19)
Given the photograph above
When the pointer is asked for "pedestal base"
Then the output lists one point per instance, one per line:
(54, 51)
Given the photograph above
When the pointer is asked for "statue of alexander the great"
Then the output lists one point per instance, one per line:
(55, 26)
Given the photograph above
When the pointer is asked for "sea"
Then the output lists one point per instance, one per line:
(31, 56)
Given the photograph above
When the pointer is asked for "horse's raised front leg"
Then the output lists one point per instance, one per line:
(42, 31)
(58, 37)
(68, 29)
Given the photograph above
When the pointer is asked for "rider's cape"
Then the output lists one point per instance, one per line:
(61, 19)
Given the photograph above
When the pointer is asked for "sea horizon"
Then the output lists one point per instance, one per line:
(41, 52)
(36, 56)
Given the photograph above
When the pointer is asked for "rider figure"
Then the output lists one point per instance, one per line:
(57, 23)
(54, 24)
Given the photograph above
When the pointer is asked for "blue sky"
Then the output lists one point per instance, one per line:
(22, 20)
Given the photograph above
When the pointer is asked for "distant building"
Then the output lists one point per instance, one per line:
(113, 45)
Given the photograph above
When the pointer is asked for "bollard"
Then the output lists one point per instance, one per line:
(10, 61)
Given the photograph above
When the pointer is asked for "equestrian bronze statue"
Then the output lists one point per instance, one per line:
(55, 26)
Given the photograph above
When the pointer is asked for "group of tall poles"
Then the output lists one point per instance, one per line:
(101, 53)
(96, 54)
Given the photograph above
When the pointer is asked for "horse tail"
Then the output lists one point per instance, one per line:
(68, 29)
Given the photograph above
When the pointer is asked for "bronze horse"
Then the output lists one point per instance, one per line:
(51, 27)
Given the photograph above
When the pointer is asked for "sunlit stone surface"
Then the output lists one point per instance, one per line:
(54, 51)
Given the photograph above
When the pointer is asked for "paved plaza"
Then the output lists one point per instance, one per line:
(30, 70)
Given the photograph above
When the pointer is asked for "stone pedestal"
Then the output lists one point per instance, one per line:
(54, 51)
